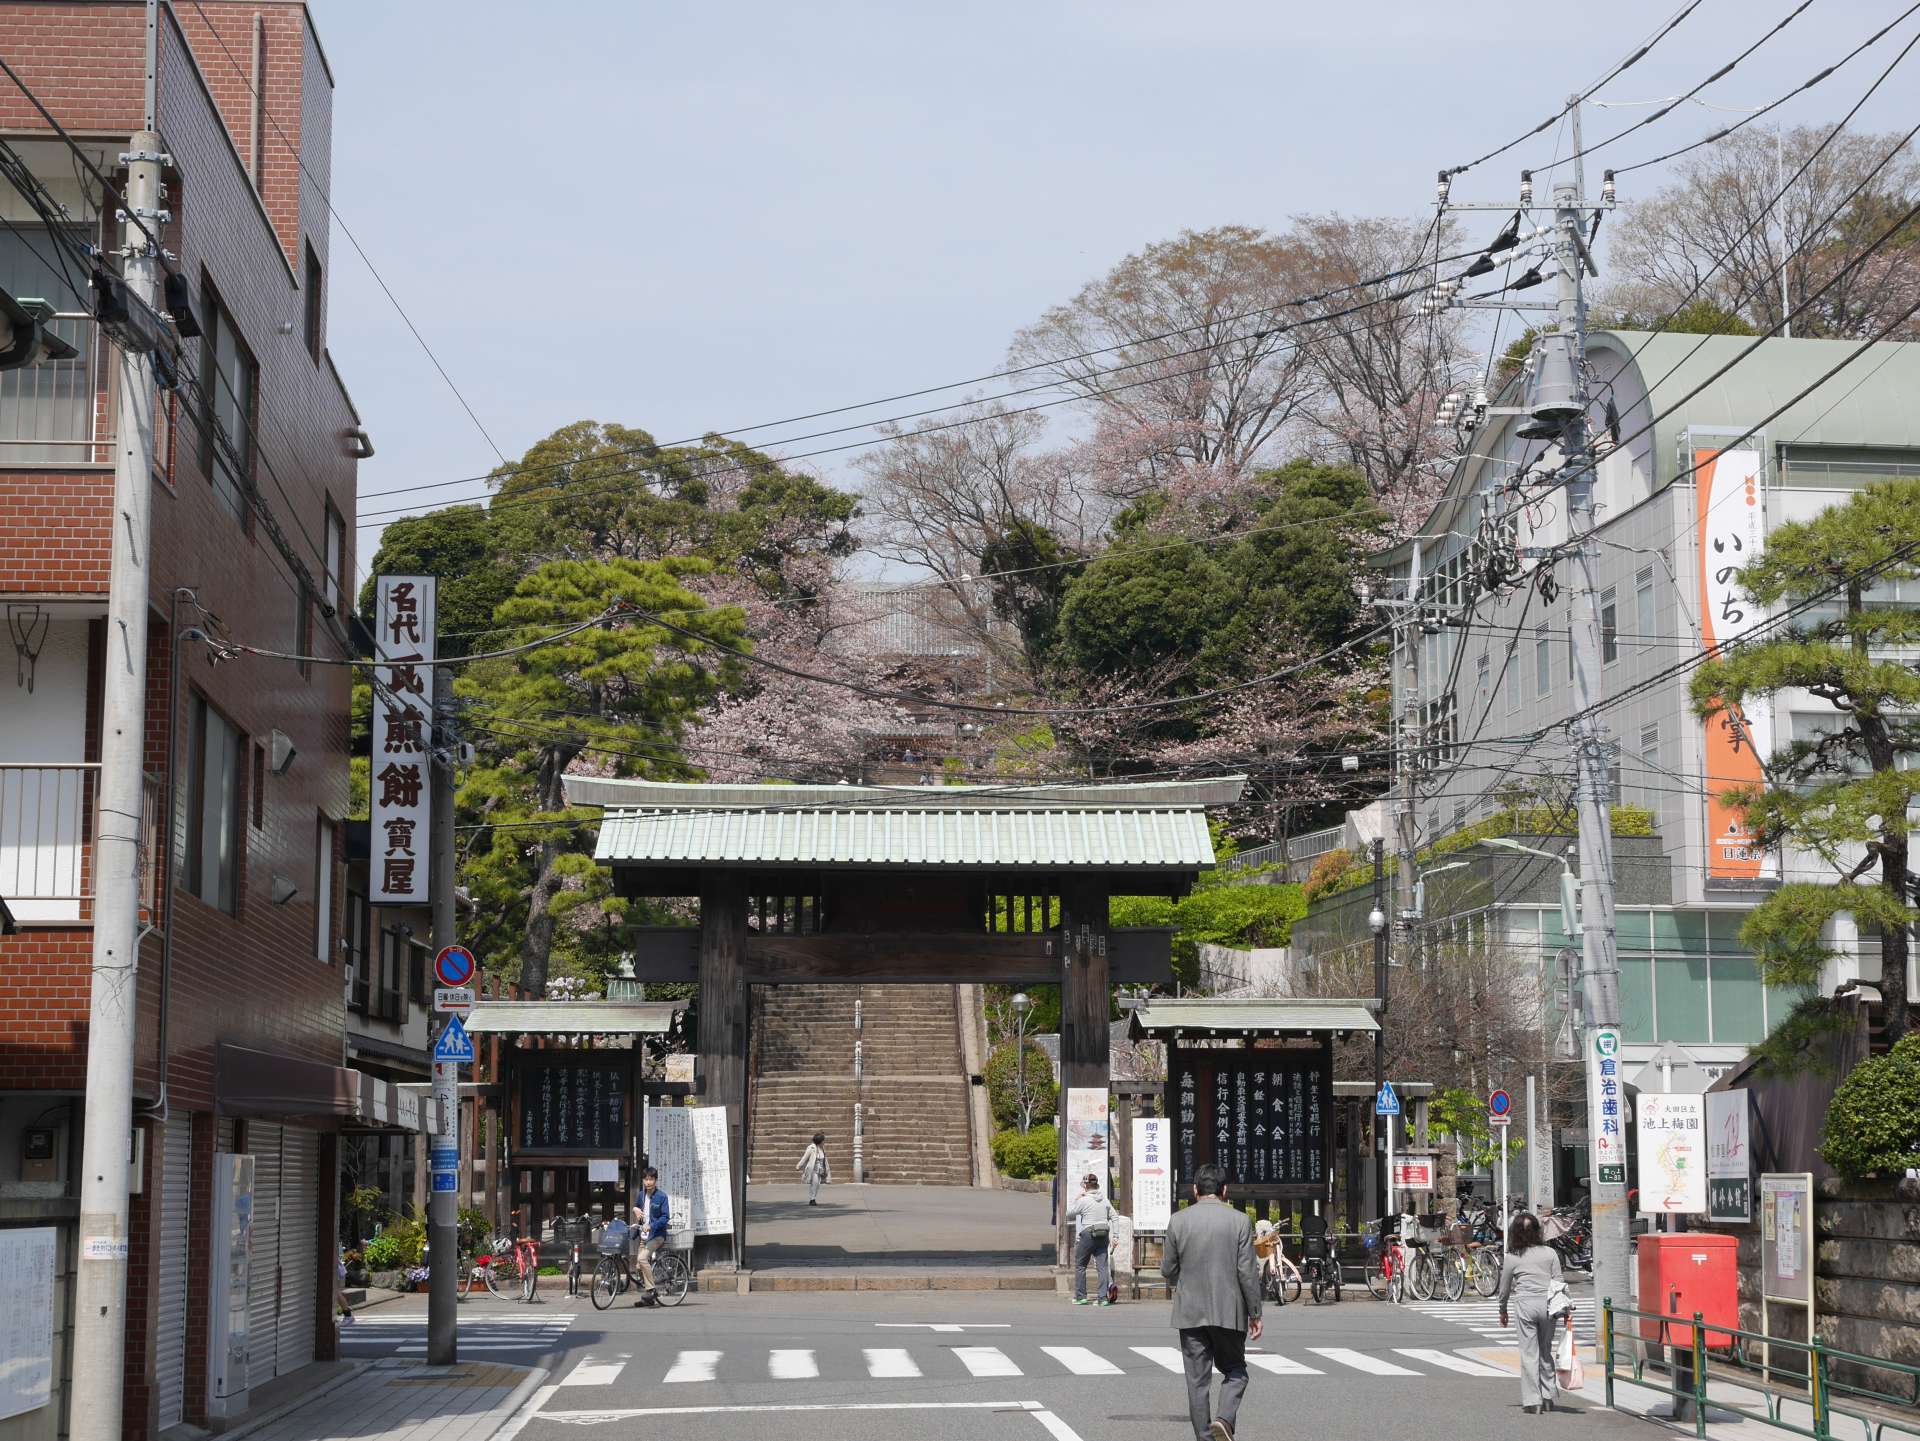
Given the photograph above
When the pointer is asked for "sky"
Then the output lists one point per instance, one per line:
(696, 217)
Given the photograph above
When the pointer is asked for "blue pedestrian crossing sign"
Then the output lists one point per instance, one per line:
(1386, 1103)
(454, 1043)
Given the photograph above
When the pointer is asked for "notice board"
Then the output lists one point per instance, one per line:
(687, 1145)
(26, 1319)
(1264, 1116)
(575, 1108)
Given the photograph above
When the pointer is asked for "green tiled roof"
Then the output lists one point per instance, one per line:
(1135, 838)
(1160, 1018)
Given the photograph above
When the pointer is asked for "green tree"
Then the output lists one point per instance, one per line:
(1139, 605)
(619, 694)
(474, 565)
(1873, 1125)
(1846, 792)
(1296, 570)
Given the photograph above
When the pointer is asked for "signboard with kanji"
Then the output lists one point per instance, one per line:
(1607, 1095)
(577, 1108)
(1673, 1154)
(1264, 1116)
(1152, 1173)
(1729, 1157)
(401, 774)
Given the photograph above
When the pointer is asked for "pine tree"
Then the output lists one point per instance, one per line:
(1843, 795)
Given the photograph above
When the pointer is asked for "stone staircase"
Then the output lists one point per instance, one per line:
(914, 1094)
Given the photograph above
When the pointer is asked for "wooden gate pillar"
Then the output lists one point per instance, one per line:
(1086, 1006)
(723, 1044)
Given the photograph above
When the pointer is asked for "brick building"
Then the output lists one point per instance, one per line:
(242, 969)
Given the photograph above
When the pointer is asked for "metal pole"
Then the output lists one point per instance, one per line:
(1504, 1216)
(1387, 1210)
(1382, 1189)
(1780, 204)
(1601, 964)
(1020, 1072)
(443, 1236)
(1408, 756)
(100, 1287)
(1533, 1154)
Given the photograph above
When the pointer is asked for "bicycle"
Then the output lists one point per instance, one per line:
(613, 1275)
(1279, 1278)
(1318, 1265)
(1387, 1275)
(506, 1268)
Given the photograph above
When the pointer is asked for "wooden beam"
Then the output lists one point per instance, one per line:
(1135, 956)
(1086, 1000)
(723, 1043)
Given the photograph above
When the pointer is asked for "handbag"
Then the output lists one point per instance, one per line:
(1566, 1362)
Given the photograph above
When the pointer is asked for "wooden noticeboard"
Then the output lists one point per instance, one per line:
(571, 1103)
(1264, 1115)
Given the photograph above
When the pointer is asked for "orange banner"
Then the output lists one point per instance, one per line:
(1732, 535)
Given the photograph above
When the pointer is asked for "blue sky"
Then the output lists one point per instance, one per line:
(701, 216)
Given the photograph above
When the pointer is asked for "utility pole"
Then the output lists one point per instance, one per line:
(1600, 971)
(100, 1287)
(1409, 755)
(443, 1233)
(1378, 920)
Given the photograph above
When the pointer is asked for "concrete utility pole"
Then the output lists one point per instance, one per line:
(1410, 756)
(1377, 919)
(443, 1217)
(100, 1287)
(1600, 972)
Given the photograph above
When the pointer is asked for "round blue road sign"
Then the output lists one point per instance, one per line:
(454, 966)
(1499, 1103)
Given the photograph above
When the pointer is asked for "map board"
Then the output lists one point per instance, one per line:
(26, 1319)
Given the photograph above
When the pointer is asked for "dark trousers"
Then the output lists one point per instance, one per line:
(1205, 1348)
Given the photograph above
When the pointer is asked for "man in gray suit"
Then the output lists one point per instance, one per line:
(1208, 1261)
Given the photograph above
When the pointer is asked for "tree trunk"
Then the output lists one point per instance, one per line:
(538, 941)
(1893, 939)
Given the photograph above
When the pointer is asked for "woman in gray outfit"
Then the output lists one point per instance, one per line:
(1532, 1266)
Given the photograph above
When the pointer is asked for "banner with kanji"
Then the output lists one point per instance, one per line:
(400, 776)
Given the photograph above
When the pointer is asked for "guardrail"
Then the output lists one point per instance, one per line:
(1749, 1365)
(46, 837)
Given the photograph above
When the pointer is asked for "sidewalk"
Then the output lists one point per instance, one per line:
(401, 1401)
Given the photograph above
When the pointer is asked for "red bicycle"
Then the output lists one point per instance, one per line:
(1387, 1270)
(508, 1268)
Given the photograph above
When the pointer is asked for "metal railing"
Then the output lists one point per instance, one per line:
(46, 838)
(48, 819)
(1812, 1388)
(47, 411)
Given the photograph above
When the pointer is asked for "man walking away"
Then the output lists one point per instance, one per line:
(1208, 1261)
(1093, 1218)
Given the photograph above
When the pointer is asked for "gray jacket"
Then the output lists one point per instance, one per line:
(1208, 1261)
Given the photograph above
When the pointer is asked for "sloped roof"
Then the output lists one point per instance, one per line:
(1161, 1018)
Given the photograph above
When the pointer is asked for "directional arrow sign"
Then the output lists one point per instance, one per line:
(454, 1043)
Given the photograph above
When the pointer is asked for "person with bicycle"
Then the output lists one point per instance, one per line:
(650, 1233)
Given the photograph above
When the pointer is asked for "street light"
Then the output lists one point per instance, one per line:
(1569, 889)
(1022, 1003)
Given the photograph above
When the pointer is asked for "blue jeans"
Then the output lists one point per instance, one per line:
(1090, 1243)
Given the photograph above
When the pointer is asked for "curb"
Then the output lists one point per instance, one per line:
(354, 1370)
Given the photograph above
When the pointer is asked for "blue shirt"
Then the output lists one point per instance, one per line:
(653, 1213)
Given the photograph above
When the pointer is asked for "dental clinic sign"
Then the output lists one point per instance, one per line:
(401, 775)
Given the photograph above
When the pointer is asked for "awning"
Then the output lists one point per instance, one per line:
(269, 1086)
(1161, 1019)
(568, 1018)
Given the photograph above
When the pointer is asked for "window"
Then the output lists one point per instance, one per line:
(1643, 607)
(359, 929)
(316, 309)
(1513, 667)
(303, 626)
(417, 982)
(215, 753)
(323, 891)
(1650, 764)
(229, 380)
(336, 562)
(1609, 627)
(1483, 673)
(1613, 780)
(389, 1000)
(259, 786)
(1542, 662)
(46, 410)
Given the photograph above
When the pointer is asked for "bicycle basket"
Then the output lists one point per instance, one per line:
(1371, 1232)
(613, 1238)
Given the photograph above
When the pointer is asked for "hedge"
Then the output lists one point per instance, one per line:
(1027, 1157)
(1873, 1125)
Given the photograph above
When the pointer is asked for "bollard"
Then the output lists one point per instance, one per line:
(1606, 1345)
(1699, 1378)
(1817, 1380)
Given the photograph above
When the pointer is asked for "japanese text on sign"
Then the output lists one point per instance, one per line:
(1260, 1115)
(401, 775)
(573, 1108)
(1605, 1089)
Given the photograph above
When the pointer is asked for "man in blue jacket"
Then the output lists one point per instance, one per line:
(650, 1231)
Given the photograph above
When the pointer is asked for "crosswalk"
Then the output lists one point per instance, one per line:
(1483, 1317)
(498, 1338)
(995, 1362)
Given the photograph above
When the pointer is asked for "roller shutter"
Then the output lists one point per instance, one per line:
(176, 1194)
(263, 1284)
(300, 1183)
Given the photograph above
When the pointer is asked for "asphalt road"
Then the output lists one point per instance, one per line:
(978, 1366)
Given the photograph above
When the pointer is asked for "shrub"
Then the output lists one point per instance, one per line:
(1326, 873)
(400, 1244)
(1003, 1077)
(1026, 1157)
(1873, 1125)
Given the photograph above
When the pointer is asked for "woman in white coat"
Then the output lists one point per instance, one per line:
(813, 1167)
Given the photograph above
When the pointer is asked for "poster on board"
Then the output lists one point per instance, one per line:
(1087, 1148)
(1786, 1237)
(26, 1319)
(687, 1145)
(1729, 1157)
(1152, 1173)
(1673, 1154)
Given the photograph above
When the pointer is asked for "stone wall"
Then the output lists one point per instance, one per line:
(1867, 1276)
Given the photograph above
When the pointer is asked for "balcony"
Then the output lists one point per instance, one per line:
(49, 815)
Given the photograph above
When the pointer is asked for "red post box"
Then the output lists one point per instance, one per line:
(1684, 1273)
